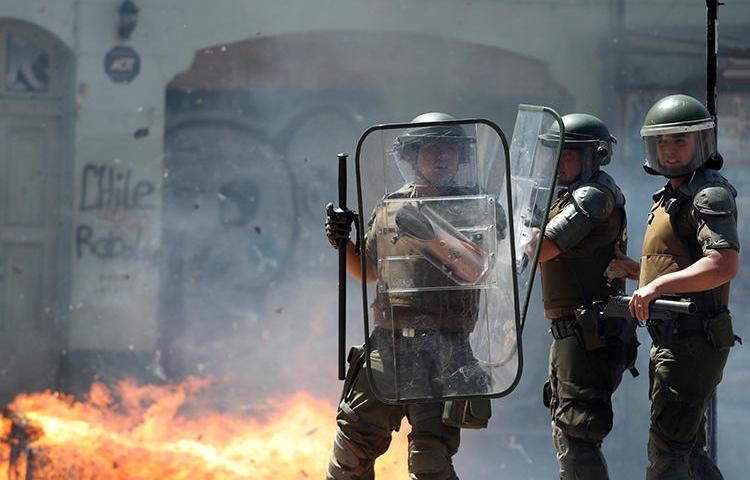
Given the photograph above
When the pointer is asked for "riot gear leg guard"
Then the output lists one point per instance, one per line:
(354, 453)
(429, 459)
(432, 443)
(578, 459)
(348, 461)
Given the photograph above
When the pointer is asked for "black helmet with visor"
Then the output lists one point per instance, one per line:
(587, 134)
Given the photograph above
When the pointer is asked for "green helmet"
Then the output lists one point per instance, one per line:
(413, 138)
(586, 133)
(407, 144)
(673, 124)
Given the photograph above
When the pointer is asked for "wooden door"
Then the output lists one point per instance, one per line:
(34, 208)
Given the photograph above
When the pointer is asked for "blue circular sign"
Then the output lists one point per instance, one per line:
(122, 64)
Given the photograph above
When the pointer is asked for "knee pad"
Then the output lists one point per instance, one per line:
(429, 460)
(349, 461)
(589, 420)
(578, 459)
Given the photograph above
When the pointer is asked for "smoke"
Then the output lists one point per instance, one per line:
(247, 287)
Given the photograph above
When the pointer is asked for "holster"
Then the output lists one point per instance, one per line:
(589, 330)
(356, 360)
(661, 331)
(719, 330)
(471, 413)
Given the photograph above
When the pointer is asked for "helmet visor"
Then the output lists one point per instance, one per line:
(600, 151)
(437, 160)
(677, 154)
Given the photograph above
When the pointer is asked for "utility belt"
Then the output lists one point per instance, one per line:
(592, 328)
(408, 332)
(595, 331)
(563, 327)
(409, 321)
(716, 327)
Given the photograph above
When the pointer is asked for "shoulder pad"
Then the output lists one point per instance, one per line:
(715, 199)
(605, 180)
(704, 177)
(593, 201)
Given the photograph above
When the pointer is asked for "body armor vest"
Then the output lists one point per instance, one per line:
(576, 276)
(666, 249)
(452, 310)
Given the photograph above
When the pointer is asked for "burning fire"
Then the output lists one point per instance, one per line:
(151, 432)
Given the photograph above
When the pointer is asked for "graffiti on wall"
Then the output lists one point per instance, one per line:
(119, 206)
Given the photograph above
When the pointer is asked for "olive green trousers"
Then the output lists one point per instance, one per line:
(365, 425)
(682, 379)
(579, 395)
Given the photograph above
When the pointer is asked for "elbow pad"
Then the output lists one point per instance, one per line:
(589, 205)
(568, 228)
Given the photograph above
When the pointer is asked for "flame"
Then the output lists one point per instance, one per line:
(155, 432)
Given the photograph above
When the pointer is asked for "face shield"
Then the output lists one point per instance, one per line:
(437, 160)
(674, 151)
(592, 154)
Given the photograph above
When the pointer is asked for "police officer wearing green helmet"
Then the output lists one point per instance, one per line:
(586, 361)
(690, 250)
(434, 161)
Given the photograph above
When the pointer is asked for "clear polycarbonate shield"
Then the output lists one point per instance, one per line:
(441, 319)
(534, 155)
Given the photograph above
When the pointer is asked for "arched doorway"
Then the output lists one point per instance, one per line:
(35, 181)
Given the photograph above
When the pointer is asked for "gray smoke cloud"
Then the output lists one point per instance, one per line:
(247, 287)
(251, 278)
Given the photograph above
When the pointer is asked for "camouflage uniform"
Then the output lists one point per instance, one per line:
(685, 223)
(585, 224)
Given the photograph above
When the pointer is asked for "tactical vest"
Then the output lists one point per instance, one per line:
(452, 310)
(669, 246)
(576, 277)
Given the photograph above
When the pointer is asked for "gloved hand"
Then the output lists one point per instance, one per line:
(411, 221)
(338, 224)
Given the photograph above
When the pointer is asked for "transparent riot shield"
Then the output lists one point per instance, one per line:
(533, 168)
(437, 255)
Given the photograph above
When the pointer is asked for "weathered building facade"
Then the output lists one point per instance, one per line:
(162, 188)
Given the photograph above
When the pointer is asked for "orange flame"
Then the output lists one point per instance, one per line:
(153, 432)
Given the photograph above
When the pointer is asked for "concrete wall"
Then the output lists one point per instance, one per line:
(114, 279)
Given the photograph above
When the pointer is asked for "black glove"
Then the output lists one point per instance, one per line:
(338, 224)
(411, 221)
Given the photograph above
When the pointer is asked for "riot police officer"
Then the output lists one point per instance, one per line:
(690, 250)
(430, 159)
(586, 361)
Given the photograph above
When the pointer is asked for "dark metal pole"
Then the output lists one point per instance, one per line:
(342, 271)
(712, 47)
(712, 50)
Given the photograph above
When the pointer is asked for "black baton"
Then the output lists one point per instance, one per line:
(712, 51)
(342, 271)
